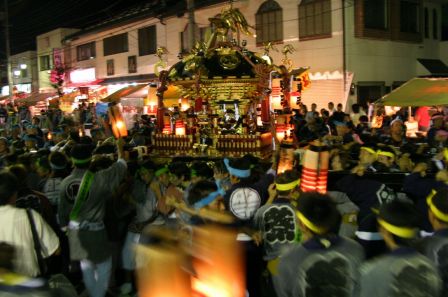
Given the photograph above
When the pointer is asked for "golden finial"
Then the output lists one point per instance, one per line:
(287, 49)
(160, 53)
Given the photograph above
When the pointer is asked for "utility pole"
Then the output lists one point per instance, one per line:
(191, 24)
(8, 50)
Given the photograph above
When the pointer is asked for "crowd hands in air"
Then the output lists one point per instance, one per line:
(85, 202)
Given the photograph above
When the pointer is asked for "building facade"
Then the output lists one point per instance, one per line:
(24, 73)
(356, 50)
(50, 54)
(391, 41)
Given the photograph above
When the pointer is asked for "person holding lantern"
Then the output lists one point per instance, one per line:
(86, 230)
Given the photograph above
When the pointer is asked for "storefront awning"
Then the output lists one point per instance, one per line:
(70, 97)
(130, 79)
(124, 92)
(34, 98)
(85, 84)
(418, 92)
(299, 71)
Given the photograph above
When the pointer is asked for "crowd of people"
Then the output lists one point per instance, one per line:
(74, 207)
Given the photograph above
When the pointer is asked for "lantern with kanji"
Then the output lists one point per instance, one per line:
(315, 169)
(117, 122)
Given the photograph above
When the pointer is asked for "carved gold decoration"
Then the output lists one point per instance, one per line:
(288, 49)
(160, 53)
(229, 61)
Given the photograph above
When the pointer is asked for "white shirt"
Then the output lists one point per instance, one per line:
(16, 230)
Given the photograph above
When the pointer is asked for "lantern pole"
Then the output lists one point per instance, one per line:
(8, 50)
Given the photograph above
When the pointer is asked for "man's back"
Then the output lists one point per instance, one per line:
(278, 227)
(320, 267)
(436, 249)
(403, 272)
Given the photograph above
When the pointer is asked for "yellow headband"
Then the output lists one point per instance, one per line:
(310, 225)
(403, 232)
(287, 187)
(440, 215)
(368, 149)
(387, 154)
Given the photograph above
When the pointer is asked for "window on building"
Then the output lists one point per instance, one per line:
(409, 17)
(132, 64)
(444, 20)
(115, 44)
(426, 23)
(110, 67)
(435, 24)
(315, 19)
(23, 73)
(147, 40)
(370, 91)
(184, 43)
(44, 63)
(269, 22)
(85, 51)
(376, 14)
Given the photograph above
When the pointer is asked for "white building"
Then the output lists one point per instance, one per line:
(24, 73)
(50, 53)
(356, 50)
(390, 42)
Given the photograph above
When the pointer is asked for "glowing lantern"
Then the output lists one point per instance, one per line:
(281, 131)
(80, 134)
(286, 160)
(282, 127)
(184, 105)
(218, 272)
(117, 122)
(315, 169)
(180, 128)
(49, 136)
(151, 99)
(163, 276)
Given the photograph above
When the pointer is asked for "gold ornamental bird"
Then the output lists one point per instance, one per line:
(160, 53)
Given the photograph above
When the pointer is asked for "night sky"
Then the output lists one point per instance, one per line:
(29, 18)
